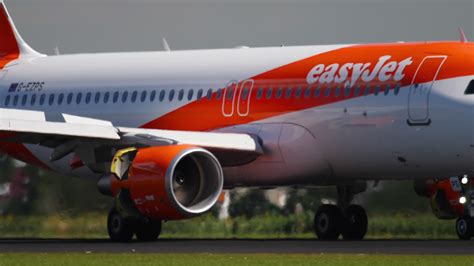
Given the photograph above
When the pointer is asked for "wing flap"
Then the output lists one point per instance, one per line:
(210, 140)
(68, 134)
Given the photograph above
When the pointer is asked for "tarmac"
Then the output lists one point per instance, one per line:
(419, 247)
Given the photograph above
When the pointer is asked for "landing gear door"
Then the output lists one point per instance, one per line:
(419, 96)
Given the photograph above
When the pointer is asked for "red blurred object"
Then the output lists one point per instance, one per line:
(444, 196)
(17, 188)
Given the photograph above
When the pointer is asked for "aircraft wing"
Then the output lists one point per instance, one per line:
(67, 134)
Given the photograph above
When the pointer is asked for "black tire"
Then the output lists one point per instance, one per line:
(119, 229)
(355, 223)
(465, 227)
(148, 230)
(327, 222)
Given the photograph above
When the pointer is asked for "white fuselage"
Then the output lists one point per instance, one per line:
(364, 137)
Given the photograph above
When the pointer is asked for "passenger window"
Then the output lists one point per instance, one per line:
(78, 98)
(230, 93)
(162, 95)
(367, 90)
(387, 89)
(317, 92)
(209, 94)
(153, 96)
(328, 91)
(124, 96)
(171, 95)
(470, 88)
(181, 95)
(259, 93)
(245, 93)
(279, 93)
(219, 94)
(134, 96)
(288, 93)
(397, 89)
(88, 98)
(357, 91)
(69, 98)
(377, 90)
(7, 100)
(106, 97)
(42, 99)
(60, 99)
(269, 93)
(190, 94)
(307, 92)
(97, 97)
(199, 94)
(23, 101)
(347, 91)
(33, 99)
(116, 96)
(15, 100)
(298, 93)
(143, 96)
(51, 99)
(337, 92)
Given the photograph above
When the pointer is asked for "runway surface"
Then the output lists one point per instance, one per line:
(431, 247)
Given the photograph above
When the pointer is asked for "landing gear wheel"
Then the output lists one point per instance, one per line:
(327, 222)
(465, 227)
(148, 230)
(356, 223)
(119, 228)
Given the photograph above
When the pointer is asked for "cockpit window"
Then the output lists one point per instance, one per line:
(470, 88)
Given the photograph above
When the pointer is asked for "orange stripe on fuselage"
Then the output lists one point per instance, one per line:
(204, 115)
(9, 49)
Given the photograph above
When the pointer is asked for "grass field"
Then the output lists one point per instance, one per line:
(229, 259)
(402, 225)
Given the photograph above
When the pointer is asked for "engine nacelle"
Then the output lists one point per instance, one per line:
(444, 197)
(168, 182)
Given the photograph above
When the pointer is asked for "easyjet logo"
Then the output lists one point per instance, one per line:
(350, 73)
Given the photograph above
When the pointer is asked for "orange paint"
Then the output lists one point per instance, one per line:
(204, 115)
(146, 182)
(9, 50)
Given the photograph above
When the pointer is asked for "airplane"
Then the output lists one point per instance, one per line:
(164, 133)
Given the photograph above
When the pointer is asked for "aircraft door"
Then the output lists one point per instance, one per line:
(419, 95)
(228, 99)
(243, 107)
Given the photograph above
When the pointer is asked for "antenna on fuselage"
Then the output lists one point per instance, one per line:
(462, 35)
(166, 46)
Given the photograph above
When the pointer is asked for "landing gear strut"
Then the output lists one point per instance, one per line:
(349, 220)
(122, 229)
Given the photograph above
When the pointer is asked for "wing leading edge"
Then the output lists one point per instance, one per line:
(68, 134)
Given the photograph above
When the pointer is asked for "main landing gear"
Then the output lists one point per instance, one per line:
(347, 219)
(122, 229)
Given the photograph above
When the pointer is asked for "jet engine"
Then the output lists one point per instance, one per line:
(164, 183)
(446, 196)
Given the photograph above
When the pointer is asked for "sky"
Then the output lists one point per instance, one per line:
(83, 26)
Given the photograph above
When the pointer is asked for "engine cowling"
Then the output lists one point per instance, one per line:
(168, 182)
(444, 197)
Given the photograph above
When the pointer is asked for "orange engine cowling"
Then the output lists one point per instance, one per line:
(444, 196)
(168, 182)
